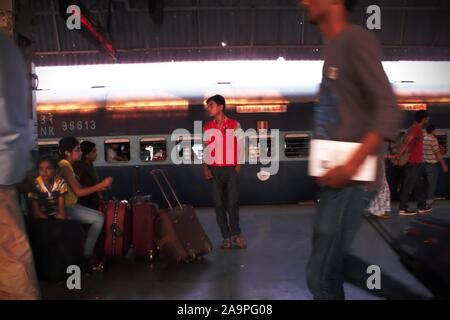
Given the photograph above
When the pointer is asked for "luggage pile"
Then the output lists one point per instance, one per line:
(175, 234)
(135, 228)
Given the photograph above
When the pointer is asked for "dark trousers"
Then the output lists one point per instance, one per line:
(414, 180)
(337, 219)
(225, 191)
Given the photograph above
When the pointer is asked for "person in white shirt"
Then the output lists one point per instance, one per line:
(432, 157)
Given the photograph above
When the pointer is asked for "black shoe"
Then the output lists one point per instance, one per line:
(406, 212)
(427, 209)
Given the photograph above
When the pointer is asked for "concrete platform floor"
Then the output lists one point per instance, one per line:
(273, 266)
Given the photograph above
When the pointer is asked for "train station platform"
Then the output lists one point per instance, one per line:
(273, 266)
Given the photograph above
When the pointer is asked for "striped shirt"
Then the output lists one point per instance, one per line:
(48, 199)
(430, 148)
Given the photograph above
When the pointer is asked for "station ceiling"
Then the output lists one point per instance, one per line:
(198, 30)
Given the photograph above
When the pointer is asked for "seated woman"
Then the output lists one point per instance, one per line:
(87, 175)
(47, 197)
(70, 153)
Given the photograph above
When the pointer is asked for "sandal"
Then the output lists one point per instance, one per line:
(226, 244)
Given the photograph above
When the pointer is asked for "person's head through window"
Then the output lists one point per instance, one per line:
(115, 154)
(89, 151)
(69, 149)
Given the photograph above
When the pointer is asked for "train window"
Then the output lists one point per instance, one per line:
(48, 148)
(117, 150)
(259, 147)
(442, 139)
(195, 152)
(296, 145)
(153, 149)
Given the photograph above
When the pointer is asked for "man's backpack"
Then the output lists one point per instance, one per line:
(396, 146)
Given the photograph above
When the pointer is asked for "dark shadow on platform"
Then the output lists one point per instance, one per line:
(391, 289)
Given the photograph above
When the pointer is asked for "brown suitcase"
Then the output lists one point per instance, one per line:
(178, 233)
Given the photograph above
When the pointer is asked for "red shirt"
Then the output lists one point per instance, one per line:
(416, 145)
(222, 153)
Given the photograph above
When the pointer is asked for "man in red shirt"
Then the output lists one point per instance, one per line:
(414, 171)
(222, 169)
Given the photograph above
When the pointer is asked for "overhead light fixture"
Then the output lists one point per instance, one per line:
(224, 44)
(67, 107)
(413, 106)
(271, 108)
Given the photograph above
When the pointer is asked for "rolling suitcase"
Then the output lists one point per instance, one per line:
(179, 235)
(143, 216)
(117, 230)
(423, 249)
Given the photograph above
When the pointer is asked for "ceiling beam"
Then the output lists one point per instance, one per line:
(55, 25)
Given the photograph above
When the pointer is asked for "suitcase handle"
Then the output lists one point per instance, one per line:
(136, 182)
(153, 173)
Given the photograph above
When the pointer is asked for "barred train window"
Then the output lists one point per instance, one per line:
(195, 152)
(296, 145)
(442, 139)
(48, 148)
(259, 147)
(117, 150)
(153, 149)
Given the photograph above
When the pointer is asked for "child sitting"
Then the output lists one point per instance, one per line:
(47, 198)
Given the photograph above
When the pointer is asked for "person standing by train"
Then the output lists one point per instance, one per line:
(356, 104)
(70, 153)
(17, 272)
(432, 156)
(414, 175)
(222, 169)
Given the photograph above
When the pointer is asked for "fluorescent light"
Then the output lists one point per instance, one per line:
(245, 80)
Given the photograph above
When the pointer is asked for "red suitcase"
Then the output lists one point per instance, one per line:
(117, 228)
(143, 217)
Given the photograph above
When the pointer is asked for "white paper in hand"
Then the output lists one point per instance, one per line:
(327, 154)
